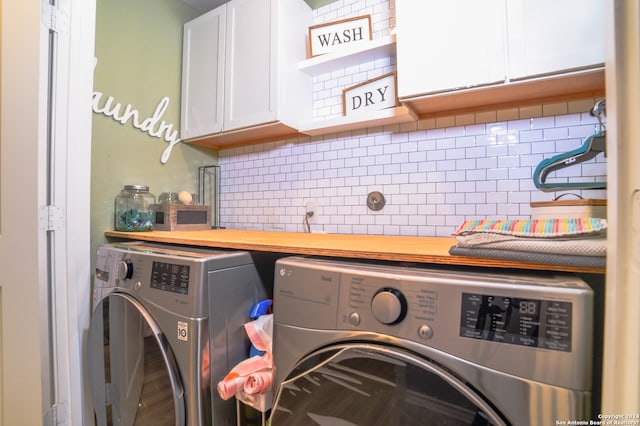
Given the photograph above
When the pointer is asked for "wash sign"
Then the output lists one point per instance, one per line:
(371, 95)
(333, 36)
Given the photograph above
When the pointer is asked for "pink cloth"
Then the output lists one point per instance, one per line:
(260, 332)
(258, 382)
(252, 375)
(236, 378)
(229, 386)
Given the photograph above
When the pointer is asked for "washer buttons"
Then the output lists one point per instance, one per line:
(425, 332)
(354, 318)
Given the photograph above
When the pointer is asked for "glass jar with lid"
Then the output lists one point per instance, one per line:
(168, 198)
(133, 210)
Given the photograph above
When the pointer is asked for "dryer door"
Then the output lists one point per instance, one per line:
(132, 371)
(367, 384)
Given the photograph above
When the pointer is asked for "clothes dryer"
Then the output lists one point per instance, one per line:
(364, 344)
(166, 327)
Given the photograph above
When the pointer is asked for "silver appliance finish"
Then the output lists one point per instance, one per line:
(329, 311)
(192, 304)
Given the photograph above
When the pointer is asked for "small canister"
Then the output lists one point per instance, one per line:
(168, 198)
(133, 209)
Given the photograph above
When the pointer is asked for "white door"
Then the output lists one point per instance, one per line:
(249, 71)
(44, 258)
(448, 45)
(203, 74)
(22, 244)
(549, 36)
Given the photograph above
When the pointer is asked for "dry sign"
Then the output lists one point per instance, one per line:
(371, 95)
(326, 38)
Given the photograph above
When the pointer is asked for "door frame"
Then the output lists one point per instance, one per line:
(621, 349)
(76, 271)
(44, 244)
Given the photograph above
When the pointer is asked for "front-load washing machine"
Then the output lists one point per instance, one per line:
(365, 344)
(166, 327)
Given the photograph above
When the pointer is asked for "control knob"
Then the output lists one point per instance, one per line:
(125, 269)
(389, 306)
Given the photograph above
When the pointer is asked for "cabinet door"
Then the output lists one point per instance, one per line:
(550, 36)
(203, 75)
(249, 71)
(445, 45)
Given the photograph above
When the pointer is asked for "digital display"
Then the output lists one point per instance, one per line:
(170, 277)
(527, 322)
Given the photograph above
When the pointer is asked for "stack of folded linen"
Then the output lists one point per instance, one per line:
(571, 241)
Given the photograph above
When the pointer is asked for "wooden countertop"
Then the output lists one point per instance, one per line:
(394, 248)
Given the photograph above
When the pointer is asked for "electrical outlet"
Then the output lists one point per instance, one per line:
(311, 210)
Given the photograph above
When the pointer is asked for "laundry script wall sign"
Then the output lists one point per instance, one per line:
(327, 38)
(153, 125)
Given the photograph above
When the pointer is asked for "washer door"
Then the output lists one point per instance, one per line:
(132, 371)
(367, 384)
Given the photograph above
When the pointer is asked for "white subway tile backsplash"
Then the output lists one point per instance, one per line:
(568, 120)
(519, 125)
(530, 136)
(582, 131)
(453, 132)
(497, 151)
(434, 173)
(476, 175)
(466, 164)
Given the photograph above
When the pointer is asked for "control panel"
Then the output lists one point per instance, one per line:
(139, 271)
(170, 277)
(518, 321)
(440, 309)
(390, 305)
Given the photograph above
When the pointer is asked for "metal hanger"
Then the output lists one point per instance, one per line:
(592, 146)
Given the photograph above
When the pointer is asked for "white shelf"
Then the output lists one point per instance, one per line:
(382, 47)
(376, 49)
(382, 117)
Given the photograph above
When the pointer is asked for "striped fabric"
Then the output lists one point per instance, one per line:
(536, 228)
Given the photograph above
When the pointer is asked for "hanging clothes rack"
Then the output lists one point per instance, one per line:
(592, 146)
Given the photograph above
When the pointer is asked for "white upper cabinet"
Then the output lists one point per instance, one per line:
(463, 54)
(449, 44)
(550, 36)
(250, 79)
(203, 75)
(241, 81)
